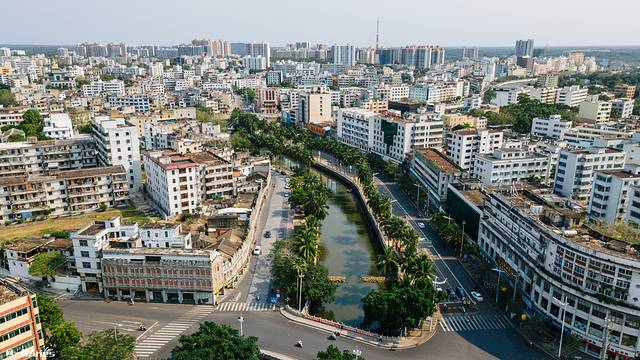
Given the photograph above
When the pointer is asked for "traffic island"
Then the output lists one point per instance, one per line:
(415, 338)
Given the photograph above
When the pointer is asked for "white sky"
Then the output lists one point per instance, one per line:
(447, 23)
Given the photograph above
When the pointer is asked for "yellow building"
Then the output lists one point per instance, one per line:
(21, 334)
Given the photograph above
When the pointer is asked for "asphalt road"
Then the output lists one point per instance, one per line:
(472, 336)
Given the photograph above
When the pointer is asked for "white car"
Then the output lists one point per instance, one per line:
(477, 296)
(421, 225)
(286, 195)
(257, 250)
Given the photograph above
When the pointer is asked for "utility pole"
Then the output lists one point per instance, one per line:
(301, 276)
(241, 320)
(515, 288)
(564, 310)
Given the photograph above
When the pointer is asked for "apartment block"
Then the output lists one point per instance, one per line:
(387, 133)
(172, 182)
(99, 88)
(621, 108)
(434, 172)
(40, 157)
(90, 242)
(571, 95)
(553, 127)
(511, 166)
(313, 107)
(595, 109)
(26, 196)
(610, 194)
(58, 126)
(576, 170)
(464, 145)
(118, 143)
(20, 325)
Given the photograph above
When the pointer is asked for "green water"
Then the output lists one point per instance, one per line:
(349, 248)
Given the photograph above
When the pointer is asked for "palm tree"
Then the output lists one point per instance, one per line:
(419, 266)
(388, 263)
(306, 244)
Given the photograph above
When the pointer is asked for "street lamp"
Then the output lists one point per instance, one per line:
(564, 310)
(417, 194)
(449, 218)
(462, 238)
(357, 352)
(499, 271)
(300, 276)
(241, 320)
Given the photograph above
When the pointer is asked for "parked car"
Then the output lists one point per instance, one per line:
(421, 225)
(460, 291)
(257, 250)
(267, 234)
(477, 296)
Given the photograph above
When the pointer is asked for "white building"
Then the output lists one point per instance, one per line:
(576, 169)
(388, 134)
(511, 166)
(595, 109)
(572, 279)
(434, 173)
(118, 143)
(583, 136)
(571, 95)
(99, 88)
(621, 108)
(172, 182)
(165, 235)
(391, 92)
(344, 54)
(553, 127)
(610, 194)
(58, 126)
(91, 240)
(464, 145)
(257, 63)
(139, 102)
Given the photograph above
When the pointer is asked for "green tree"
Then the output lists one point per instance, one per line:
(62, 336)
(16, 138)
(216, 342)
(333, 353)
(49, 263)
(108, 344)
(7, 98)
(488, 96)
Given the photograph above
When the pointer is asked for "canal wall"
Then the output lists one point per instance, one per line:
(350, 182)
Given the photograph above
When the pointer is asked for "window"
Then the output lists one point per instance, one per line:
(86, 265)
(84, 254)
(83, 243)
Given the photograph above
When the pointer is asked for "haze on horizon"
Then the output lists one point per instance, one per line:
(447, 23)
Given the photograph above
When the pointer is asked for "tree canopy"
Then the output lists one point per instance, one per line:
(216, 342)
(7, 98)
(49, 263)
(59, 334)
(108, 344)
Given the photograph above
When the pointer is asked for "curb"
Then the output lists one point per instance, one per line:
(391, 347)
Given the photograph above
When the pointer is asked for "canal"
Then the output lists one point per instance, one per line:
(349, 248)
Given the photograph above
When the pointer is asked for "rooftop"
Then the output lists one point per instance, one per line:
(206, 157)
(10, 292)
(440, 160)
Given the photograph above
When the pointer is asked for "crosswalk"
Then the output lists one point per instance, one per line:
(474, 322)
(159, 338)
(238, 307)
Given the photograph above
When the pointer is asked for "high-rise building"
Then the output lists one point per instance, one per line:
(344, 54)
(524, 48)
(118, 144)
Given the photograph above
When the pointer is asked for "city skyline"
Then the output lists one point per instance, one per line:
(165, 23)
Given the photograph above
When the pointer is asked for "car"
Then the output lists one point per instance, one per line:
(286, 194)
(452, 294)
(267, 234)
(477, 296)
(438, 288)
(421, 225)
(257, 250)
(460, 291)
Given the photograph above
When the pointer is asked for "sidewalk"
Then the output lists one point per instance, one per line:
(416, 337)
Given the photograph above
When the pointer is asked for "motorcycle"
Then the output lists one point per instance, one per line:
(299, 343)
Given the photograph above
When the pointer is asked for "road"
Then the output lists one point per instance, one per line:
(484, 335)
